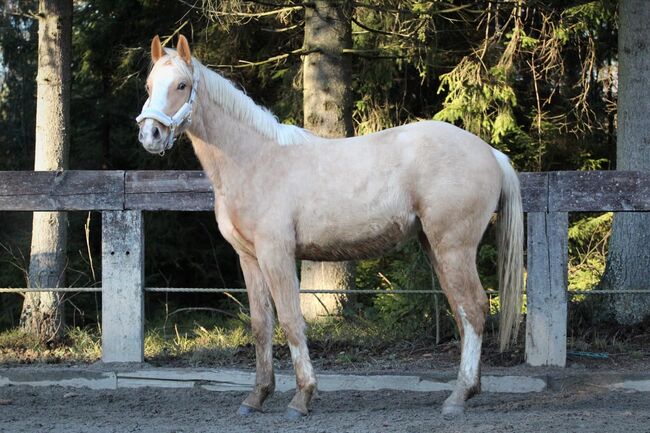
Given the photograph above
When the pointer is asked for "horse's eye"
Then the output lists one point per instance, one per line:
(181, 86)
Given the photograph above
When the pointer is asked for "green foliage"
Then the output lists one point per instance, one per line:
(207, 340)
(587, 17)
(405, 269)
(537, 85)
(80, 345)
(18, 339)
(483, 100)
(85, 344)
(588, 238)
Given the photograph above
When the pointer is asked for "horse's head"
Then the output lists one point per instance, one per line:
(171, 86)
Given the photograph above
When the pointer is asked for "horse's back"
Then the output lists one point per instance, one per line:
(429, 162)
(366, 195)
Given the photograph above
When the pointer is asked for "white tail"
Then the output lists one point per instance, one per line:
(510, 238)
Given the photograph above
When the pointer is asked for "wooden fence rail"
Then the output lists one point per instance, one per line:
(122, 196)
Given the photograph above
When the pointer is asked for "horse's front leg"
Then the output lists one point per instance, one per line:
(279, 268)
(259, 299)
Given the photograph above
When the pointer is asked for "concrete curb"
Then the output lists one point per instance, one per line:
(238, 380)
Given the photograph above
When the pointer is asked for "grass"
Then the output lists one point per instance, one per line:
(17, 346)
(206, 341)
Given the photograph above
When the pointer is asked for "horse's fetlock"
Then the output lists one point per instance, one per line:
(474, 389)
(264, 390)
(309, 387)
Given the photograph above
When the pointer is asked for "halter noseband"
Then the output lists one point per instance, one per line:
(182, 118)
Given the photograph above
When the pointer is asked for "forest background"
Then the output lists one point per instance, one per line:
(536, 79)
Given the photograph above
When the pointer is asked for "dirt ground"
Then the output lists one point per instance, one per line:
(155, 410)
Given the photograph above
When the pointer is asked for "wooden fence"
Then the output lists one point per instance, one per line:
(122, 196)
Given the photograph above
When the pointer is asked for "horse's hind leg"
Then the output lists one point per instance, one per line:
(279, 270)
(259, 299)
(456, 270)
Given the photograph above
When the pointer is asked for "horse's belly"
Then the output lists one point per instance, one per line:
(354, 241)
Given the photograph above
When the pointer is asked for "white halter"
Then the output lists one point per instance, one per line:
(182, 118)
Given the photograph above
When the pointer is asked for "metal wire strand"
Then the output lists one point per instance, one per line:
(333, 291)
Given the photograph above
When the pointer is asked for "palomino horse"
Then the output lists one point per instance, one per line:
(282, 193)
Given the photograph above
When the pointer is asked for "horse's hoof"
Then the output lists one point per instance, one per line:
(246, 410)
(451, 411)
(294, 414)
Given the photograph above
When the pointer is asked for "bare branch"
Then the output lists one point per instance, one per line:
(278, 58)
(258, 14)
(17, 13)
(283, 29)
(381, 32)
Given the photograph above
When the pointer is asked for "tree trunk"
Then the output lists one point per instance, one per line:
(328, 113)
(42, 312)
(628, 261)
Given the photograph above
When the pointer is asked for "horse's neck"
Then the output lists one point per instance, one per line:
(220, 140)
(211, 158)
(228, 130)
(217, 128)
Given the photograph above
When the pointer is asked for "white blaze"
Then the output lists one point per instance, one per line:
(163, 79)
(160, 84)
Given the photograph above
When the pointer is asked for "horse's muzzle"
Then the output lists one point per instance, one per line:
(153, 136)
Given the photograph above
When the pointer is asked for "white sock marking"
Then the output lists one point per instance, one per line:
(471, 353)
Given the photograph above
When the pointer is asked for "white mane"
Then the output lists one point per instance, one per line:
(241, 106)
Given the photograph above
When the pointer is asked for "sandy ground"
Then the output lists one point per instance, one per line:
(55, 409)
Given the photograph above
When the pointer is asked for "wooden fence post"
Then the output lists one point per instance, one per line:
(546, 288)
(122, 286)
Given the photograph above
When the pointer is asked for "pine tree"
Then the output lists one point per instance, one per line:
(42, 312)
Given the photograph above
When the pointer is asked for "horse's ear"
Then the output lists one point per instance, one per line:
(183, 50)
(156, 49)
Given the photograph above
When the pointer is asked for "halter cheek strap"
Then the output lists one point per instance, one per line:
(182, 118)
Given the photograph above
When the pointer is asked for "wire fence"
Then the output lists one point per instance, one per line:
(315, 291)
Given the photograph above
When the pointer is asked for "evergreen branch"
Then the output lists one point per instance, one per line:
(451, 9)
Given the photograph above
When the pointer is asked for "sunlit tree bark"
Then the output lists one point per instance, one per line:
(328, 113)
(628, 261)
(42, 312)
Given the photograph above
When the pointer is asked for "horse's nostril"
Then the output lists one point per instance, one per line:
(156, 132)
(141, 136)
